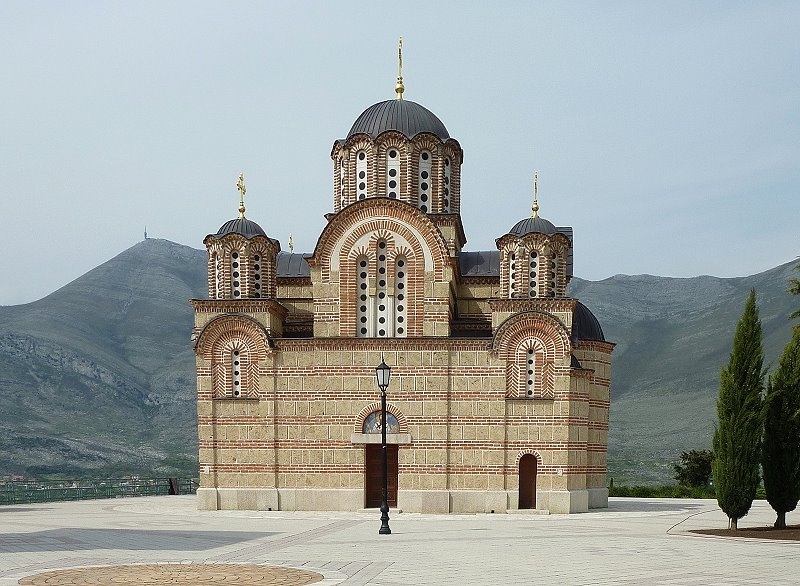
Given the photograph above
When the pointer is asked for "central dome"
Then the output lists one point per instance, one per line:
(401, 115)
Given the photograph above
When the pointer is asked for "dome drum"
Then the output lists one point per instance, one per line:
(400, 150)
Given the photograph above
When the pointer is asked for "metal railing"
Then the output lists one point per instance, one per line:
(35, 491)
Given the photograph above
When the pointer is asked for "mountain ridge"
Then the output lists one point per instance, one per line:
(98, 376)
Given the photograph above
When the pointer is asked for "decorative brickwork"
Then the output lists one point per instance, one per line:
(499, 400)
(234, 345)
(372, 408)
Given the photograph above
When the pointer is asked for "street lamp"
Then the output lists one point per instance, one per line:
(383, 373)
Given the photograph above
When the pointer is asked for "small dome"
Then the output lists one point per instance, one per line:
(585, 325)
(401, 115)
(243, 226)
(533, 225)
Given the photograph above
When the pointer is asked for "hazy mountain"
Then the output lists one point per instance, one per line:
(98, 377)
(100, 374)
(673, 336)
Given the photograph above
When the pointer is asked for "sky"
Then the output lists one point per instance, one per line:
(667, 134)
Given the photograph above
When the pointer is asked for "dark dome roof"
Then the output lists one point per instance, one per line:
(243, 226)
(585, 325)
(401, 115)
(531, 225)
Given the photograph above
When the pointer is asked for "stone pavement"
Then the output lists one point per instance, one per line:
(634, 541)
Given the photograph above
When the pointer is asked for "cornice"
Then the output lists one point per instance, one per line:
(239, 306)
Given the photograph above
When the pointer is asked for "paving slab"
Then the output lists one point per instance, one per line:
(634, 541)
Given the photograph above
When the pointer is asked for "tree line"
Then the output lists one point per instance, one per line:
(758, 427)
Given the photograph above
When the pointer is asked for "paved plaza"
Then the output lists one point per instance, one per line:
(165, 540)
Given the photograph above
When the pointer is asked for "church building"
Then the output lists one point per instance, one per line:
(499, 391)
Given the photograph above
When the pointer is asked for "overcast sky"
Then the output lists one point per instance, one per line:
(667, 134)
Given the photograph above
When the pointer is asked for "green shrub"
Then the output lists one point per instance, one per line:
(663, 491)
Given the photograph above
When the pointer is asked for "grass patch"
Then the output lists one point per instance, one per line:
(664, 491)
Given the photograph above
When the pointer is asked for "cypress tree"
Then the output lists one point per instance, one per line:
(794, 289)
(737, 438)
(781, 457)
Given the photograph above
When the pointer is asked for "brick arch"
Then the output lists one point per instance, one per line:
(373, 214)
(376, 406)
(525, 452)
(357, 143)
(216, 343)
(550, 339)
(411, 249)
(396, 140)
(225, 328)
(391, 138)
(531, 324)
(453, 150)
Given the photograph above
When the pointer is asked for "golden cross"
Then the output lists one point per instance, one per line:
(242, 190)
(399, 88)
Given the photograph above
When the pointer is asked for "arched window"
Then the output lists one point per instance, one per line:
(446, 192)
(342, 182)
(231, 377)
(257, 282)
(381, 293)
(235, 369)
(381, 290)
(361, 174)
(400, 282)
(512, 275)
(372, 423)
(217, 265)
(236, 281)
(533, 274)
(424, 181)
(553, 274)
(392, 172)
(531, 361)
(363, 302)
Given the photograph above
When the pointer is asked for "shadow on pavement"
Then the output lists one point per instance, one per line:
(633, 505)
(126, 539)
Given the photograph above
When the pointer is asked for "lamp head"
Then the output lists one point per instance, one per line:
(382, 374)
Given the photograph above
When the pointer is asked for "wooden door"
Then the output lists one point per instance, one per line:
(527, 482)
(373, 482)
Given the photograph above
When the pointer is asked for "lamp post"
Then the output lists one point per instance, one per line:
(382, 373)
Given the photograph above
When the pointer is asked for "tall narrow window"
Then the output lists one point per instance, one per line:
(363, 313)
(236, 282)
(257, 275)
(400, 280)
(530, 372)
(392, 172)
(361, 174)
(342, 183)
(553, 274)
(424, 181)
(533, 265)
(446, 192)
(218, 276)
(531, 357)
(512, 276)
(236, 369)
(382, 312)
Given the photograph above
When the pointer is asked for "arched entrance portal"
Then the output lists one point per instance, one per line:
(373, 481)
(527, 482)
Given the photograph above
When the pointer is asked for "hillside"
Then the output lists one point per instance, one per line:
(673, 336)
(98, 377)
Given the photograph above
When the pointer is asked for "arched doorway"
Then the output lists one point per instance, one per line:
(527, 482)
(373, 471)
(373, 481)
